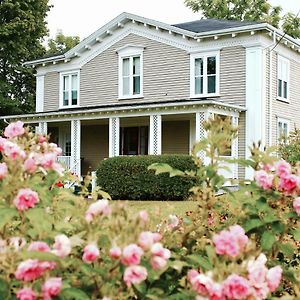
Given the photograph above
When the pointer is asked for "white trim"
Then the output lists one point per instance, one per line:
(43, 128)
(284, 121)
(114, 136)
(204, 56)
(75, 165)
(40, 90)
(61, 79)
(286, 61)
(155, 135)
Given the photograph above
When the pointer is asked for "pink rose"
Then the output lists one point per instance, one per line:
(230, 242)
(3, 170)
(274, 277)
(52, 287)
(236, 287)
(148, 238)
(282, 168)
(157, 262)
(296, 205)
(39, 246)
(173, 221)
(288, 183)
(58, 168)
(215, 292)
(55, 149)
(115, 252)
(47, 160)
(97, 208)
(42, 139)
(25, 199)
(2, 143)
(158, 250)
(201, 283)
(62, 246)
(14, 129)
(32, 269)
(13, 151)
(30, 165)
(91, 253)
(144, 217)
(26, 294)
(132, 255)
(134, 275)
(263, 179)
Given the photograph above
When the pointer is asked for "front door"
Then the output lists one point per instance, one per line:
(134, 140)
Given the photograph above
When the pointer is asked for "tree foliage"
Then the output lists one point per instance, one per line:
(22, 27)
(62, 43)
(246, 10)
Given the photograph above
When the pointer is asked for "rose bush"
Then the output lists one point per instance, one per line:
(55, 245)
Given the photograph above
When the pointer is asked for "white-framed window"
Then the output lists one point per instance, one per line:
(69, 89)
(283, 75)
(205, 74)
(283, 128)
(130, 71)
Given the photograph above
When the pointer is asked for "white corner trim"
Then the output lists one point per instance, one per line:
(40, 91)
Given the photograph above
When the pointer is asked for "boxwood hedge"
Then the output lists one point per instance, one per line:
(127, 177)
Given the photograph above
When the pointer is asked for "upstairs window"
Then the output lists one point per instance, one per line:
(205, 75)
(130, 71)
(283, 79)
(69, 89)
(283, 128)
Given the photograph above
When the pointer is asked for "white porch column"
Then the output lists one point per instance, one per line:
(200, 132)
(235, 149)
(155, 135)
(114, 137)
(75, 145)
(42, 128)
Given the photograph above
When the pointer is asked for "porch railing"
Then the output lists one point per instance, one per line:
(65, 160)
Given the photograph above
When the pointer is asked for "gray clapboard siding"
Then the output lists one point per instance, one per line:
(51, 97)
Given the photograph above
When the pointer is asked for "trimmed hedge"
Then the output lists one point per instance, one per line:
(127, 177)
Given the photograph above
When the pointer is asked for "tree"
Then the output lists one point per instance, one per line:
(22, 28)
(62, 43)
(246, 10)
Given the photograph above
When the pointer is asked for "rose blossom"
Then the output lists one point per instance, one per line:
(115, 252)
(158, 250)
(296, 205)
(39, 246)
(263, 179)
(288, 183)
(97, 208)
(143, 215)
(55, 149)
(148, 238)
(274, 277)
(26, 294)
(52, 287)
(14, 129)
(132, 255)
(91, 253)
(236, 287)
(134, 275)
(3, 170)
(173, 221)
(62, 246)
(282, 168)
(157, 262)
(2, 143)
(30, 165)
(215, 291)
(13, 151)
(201, 283)
(25, 199)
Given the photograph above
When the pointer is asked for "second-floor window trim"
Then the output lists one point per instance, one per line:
(130, 72)
(205, 74)
(283, 78)
(69, 89)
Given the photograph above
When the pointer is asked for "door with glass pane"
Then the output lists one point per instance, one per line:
(134, 140)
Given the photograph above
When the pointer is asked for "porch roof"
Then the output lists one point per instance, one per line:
(103, 111)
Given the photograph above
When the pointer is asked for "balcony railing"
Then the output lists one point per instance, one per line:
(65, 160)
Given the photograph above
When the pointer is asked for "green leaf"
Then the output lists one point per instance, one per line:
(267, 240)
(6, 216)
(43, 256)
(73, 294)
(4, 289)
(252, 224)
(287, 249)
(200, 261)
(177, 265)
(165, 168)
(39, 219)
(296, 234)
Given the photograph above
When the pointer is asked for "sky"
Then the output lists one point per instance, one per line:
(77, 17)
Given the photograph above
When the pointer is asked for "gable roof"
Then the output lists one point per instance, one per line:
(205, 25)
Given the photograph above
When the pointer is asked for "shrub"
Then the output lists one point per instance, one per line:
(128, 178)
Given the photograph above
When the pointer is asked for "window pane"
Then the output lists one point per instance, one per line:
(211, 84)
(74, 82)
(66, 83)
(126, 67)
(279, 87)
(211, 65)
(125, 85)
(136, 66)
(66, 98)
(198, 85)
(198, 66)
(136, 85)
(285, 89)
(74, 97)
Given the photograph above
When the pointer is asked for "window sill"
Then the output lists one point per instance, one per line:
(283, 100)
(131, 97)
(204, 96)
(69, 106)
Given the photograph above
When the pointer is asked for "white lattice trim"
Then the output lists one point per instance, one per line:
(114, 137)
(155, 135)
(75, 147)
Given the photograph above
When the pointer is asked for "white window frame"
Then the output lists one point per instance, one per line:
(283, 121)
(130, 51)
(281, 59)
(204, 56)
(61, 86)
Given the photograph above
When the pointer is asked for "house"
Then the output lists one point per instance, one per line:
(139, 86)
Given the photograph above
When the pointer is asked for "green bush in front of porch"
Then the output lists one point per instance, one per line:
(127, 178)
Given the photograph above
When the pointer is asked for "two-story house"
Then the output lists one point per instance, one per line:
(139, 86)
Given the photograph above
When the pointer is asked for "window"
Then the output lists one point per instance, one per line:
(283, 78)
(283, 128)
(134, 140)
(228, 149)
(69, 89)
(204, 75)
(130, 71)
